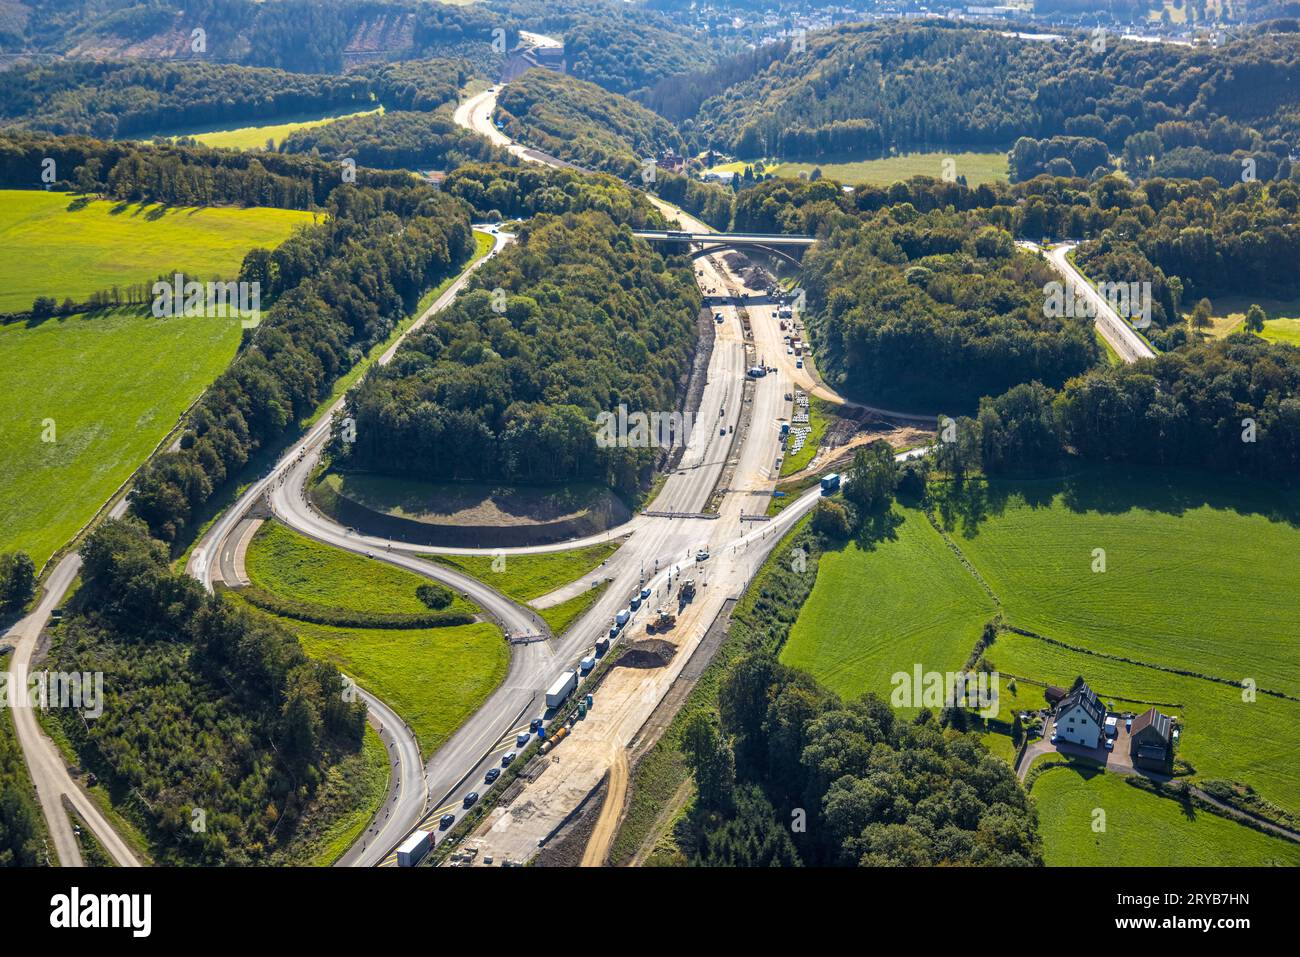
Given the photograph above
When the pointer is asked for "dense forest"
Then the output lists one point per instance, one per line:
(215, 721)
(583, 124)
(861, 786)
(519, 192)
(337, 288)
(121, 99)
(867, 89)
(1231, 405)
(935, 308)
(591, 319)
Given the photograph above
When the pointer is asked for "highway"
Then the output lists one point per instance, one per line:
(1122, 338)
(726, 442)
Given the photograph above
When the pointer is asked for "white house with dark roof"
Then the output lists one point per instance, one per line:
(1080, 716)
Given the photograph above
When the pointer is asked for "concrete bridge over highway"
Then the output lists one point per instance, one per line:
(783, 245)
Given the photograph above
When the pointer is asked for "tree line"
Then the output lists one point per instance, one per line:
(574, 319)
(338, 289)
(1231, 405)
(175, 174)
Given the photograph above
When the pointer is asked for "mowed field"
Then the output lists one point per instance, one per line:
(1223, 737)
(113, 385)
(292, 566)
(976, 167)
(55, 244)
(1199, 571)
(1198, 578)
(256, 135)
(1141, 829)
(433, 677)
(873, 613)
(525, 577)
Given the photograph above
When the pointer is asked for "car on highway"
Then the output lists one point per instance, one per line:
(492, 775)
(702, 555)
(470, 799)
(521, 740)
(722, 431)
(446, 821)
(508, 757)
(645, 593)
(534, 724)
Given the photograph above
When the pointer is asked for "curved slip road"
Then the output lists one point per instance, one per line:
(45, 764)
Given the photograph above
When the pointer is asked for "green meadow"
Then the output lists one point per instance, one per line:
(106, 388)
(525, 577)
(880, 610)
(255, 136)
(1199, 571)
(1141, 829)
(289, 565)
(56, 244)
(976, 167)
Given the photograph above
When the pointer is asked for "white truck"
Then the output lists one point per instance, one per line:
(412, 850)
(562, 688)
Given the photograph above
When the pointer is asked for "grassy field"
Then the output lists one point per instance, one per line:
(255, 137)
(434, 678)
(1223, 736)
(54, 244)
(976, 167)
(1141, 829)
(559, 617)
(876, 612)
(1282, 330)
(1198, 569)
(114, 385)
(287, 564)
(525, 577)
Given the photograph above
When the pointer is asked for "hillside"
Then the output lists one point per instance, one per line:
(867, 89)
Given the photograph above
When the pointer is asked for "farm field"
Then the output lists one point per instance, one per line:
(1197, 570)
(113, 384)
(1142, 829)
(976, 167)
(874, 613)
(255, 136)
(53, 244)
(525, 577)
(295, 567)
(1224, 737)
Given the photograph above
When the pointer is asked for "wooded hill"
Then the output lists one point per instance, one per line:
(591, 318)
(867, 89)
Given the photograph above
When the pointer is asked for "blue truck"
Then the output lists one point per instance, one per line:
(830, 483)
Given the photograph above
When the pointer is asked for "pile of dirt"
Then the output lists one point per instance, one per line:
(648, 653)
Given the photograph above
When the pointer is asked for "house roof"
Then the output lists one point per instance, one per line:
(1151, 718)
(1054, 693)
(1085, 698)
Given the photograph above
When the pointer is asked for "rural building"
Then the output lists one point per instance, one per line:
(670, 161)
(1150, 741)
(1079, 716)
(1054, 694)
